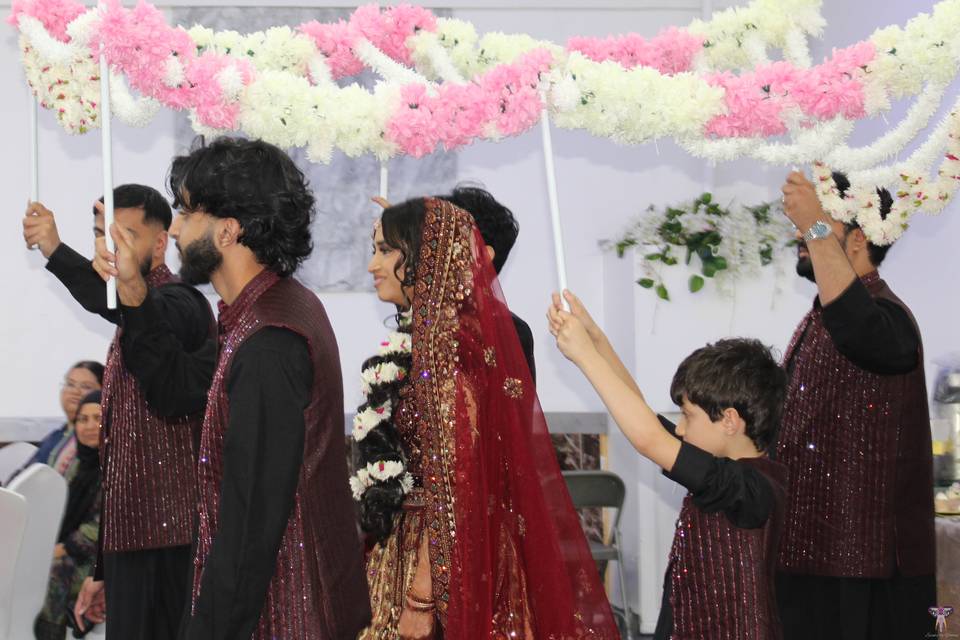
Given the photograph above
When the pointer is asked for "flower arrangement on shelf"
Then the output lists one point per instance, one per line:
(729, 243)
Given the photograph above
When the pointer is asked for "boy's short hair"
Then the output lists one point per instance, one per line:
(740, 373)
(496, 222)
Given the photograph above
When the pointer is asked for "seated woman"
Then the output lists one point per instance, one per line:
(473, 531)
(59, 447)
(76, 550)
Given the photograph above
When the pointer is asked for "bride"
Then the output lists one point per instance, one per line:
(473, 531)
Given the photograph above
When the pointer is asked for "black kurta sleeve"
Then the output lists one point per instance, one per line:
(84, 284)
(741, 492)
(169, 345)
(526, 343)
(873, 333)
(268, 389)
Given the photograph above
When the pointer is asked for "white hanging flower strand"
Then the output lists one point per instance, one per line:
(848, 159)
(916, 193)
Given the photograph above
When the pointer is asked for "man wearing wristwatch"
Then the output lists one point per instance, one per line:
(856, 558)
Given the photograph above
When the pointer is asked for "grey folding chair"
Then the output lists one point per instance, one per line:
(603, 489)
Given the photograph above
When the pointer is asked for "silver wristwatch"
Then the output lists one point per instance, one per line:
(818, 231)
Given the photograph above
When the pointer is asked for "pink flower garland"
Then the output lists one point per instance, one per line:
(387, 30)
(506, 99)
(140, 43)
(670, 51)
(54, 14)
(755, 101)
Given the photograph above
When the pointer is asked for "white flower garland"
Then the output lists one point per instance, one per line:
(432, 58)
(396, 343)
(384, 66)
(773, 23)
(276, 49)
(290, 99)
(918, 117)
(920, 161)
(298, 105)
(916, 194)
(369, 418)
(65, 77)
(365, 478)
(809, 144)
(796, 49)
(632, 106)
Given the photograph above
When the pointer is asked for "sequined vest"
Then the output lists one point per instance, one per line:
(318, 590)
(721, 576)
(861, 472)
(148, 462)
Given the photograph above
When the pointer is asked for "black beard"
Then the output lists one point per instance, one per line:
(805, 265)
(805, 269)
(146, 266)
(199, 260)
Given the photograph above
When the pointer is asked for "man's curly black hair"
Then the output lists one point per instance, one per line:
(257, 184)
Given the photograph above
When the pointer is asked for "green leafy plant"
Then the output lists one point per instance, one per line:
(728, 242)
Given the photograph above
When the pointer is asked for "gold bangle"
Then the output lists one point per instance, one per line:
(419, 604)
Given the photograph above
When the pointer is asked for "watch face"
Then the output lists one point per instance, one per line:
(818, 230)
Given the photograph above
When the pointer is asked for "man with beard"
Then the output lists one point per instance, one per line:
(278, 555)
(158, 370)
(857, 552)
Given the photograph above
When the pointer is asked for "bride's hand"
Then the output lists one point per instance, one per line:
(415, 625)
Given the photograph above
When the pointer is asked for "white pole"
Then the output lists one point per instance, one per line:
(34, 155)
(709, 173)
(384, 181)
(34, 152)
(554, 200)
(107, 157)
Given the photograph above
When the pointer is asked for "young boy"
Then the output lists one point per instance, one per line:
(719, 582)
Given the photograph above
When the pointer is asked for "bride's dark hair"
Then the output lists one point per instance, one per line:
(402, 227)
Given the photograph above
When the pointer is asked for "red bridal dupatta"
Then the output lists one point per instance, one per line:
(508, 554)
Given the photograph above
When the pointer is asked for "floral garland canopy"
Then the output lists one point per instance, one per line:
(715, 87)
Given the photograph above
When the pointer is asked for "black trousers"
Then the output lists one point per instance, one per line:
(818, 607)
(147, 592)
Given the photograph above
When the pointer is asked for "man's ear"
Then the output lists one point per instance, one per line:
(857, 240)
(160, 245)
(228, 232)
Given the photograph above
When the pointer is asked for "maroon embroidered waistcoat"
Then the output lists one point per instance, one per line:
(861, 469)
(318, 590)
(721, 576)
(148, 462)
